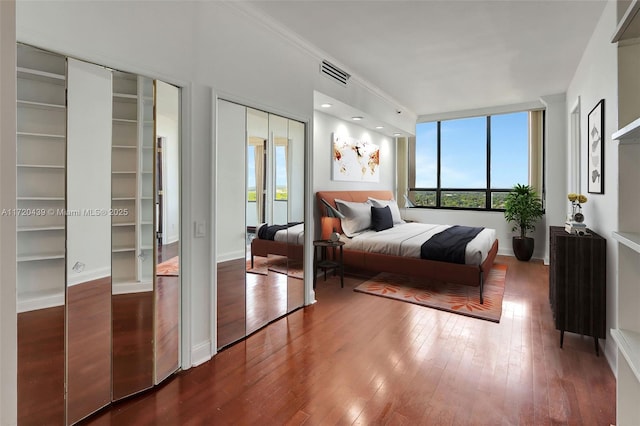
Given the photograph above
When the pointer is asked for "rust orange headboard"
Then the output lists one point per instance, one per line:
(329, 223)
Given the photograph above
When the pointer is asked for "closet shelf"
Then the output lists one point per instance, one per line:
(123, 172)
(125, 96)
(629, 345)
(41, 105)
(41, 228)
(124, 120)
(37, 257)
(629, 133)
(40, 166)
(123, 146)
(123, 249)
(41, 135)
(629, 239)
(123, 224)
(27, 198)
(628, 27)
(39, 74)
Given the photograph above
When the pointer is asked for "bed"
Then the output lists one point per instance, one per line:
(284, 242)
(393, 258)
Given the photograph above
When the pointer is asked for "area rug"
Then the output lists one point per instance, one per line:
(169, 268)
(279, 264)
(459, 299)
(260, 265)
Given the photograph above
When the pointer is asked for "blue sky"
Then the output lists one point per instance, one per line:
(464, 152)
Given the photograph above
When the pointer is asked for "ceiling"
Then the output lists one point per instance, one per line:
(441, 56)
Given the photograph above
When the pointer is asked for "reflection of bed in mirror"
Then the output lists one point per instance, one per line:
(282, 240)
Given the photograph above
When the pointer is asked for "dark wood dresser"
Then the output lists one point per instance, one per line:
(577, 283)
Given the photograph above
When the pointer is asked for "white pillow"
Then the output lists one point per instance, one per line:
(393, 206)
(357, 217)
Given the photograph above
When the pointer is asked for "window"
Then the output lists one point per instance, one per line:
(472, 163)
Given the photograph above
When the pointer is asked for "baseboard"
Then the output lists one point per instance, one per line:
(86, 276)
(131, 287)
(39, 300)
(200, 353)
(224, 257)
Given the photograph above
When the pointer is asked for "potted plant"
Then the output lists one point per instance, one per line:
(523, 208)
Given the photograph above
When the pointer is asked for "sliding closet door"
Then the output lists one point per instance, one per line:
(88, 239)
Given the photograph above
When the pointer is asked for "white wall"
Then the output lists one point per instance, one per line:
(8, 319)
(596, 78)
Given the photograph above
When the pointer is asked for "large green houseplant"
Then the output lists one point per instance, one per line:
(523, 208)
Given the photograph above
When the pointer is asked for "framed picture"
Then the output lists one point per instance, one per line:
(355, 160)
(595, 149)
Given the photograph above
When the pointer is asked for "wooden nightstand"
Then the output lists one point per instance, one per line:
(321, 260)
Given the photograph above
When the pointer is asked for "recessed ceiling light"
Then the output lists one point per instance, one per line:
(397, 134)
(356, 118)
(326, 105)
(379, 127)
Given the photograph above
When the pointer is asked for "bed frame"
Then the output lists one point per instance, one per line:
(260, 247)
(471, 275)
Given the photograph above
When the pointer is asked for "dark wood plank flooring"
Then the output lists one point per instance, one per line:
(131, 343)
(88, 348)
(353, 358)
(41, 367)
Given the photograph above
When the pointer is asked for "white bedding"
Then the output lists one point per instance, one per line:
(292, 235)
(406, 240)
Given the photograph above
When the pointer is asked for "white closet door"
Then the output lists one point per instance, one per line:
(88, 172)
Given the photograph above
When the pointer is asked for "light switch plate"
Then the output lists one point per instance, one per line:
(199, 229)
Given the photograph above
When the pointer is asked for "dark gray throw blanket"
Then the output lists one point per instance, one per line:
(450, 244)
(268, 232)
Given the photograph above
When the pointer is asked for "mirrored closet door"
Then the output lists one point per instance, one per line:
(98, 283)
(259, 219)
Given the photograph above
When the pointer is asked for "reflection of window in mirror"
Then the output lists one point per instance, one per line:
(281, 173)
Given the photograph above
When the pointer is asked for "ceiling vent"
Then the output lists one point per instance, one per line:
(335, 73)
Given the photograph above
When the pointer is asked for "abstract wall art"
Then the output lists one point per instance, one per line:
(355, 160)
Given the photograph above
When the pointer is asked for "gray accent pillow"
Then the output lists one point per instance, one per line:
(357, 217)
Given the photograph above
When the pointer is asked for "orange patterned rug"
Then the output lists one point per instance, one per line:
(459, 299)
(169, 268)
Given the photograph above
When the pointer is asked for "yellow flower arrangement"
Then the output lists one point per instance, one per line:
(579, 198)
(576, 204)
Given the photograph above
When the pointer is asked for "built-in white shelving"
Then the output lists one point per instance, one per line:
(627, 332)
(40, 152)
(629, 239)
(629, 345)
(132, 148)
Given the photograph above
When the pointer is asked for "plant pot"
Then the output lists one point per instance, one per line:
(523, 248)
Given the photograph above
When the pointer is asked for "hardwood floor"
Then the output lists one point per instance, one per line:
(354, 358)
(41, 367)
